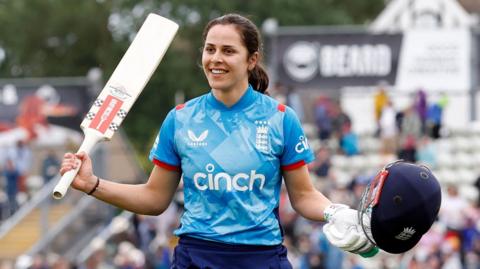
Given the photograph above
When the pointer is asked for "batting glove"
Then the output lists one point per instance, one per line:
(344, 231)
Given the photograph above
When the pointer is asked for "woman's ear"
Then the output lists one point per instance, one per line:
(252, 61)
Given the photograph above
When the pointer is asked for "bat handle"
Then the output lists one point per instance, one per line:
(66, 180)
(62, 186)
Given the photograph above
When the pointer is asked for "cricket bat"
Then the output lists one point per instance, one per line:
(122, 88)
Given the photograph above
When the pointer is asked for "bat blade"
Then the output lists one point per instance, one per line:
(123, 88)
(130, 76)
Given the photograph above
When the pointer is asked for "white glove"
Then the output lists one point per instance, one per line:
(344, 231)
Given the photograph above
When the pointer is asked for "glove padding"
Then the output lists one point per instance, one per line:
(344, 231)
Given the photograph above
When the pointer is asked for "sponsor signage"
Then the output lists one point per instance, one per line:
(333, 60)
(434, 59)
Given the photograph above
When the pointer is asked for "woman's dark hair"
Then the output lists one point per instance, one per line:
(257, 77)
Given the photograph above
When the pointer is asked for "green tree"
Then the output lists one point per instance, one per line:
(53, 38)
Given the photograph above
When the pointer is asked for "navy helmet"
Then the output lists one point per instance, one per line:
(402, 201)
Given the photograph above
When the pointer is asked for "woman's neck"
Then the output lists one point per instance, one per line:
(229, 97)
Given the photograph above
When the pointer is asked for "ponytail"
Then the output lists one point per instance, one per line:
(258, 78)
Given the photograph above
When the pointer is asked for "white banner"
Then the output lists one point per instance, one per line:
(435, 60)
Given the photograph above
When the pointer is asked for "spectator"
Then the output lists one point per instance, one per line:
(341, 122)
(322, 117)
(161, 254)
(426, 152)
(434, 120)
(388, 129)
(420, 104)
(349, 141)
(411, 131)
(380, 100)
(12, 176)
(295, 102)
(434, 116)
(50, 166)
(21, 155)
(322, 163)
(454, 215)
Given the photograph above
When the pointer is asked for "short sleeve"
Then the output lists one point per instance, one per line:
(297, 151)
(163, 152)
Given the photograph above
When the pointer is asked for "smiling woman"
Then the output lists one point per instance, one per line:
(232, 147)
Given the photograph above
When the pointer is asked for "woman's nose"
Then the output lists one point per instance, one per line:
(217, 57)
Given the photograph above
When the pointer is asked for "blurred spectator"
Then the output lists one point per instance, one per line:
(454, 215)
(38, 262)
(50, 166)
(434, 120)
(332, 257)
(145, 230)
(12, 175)
(322, 117)
(295, 102)
(380, 100)
(61, 263)
(420, 104)
(349, 141)
(435, 116)
(129, 257)
(97, 260)
(21, 155)
(411, 131)
(161, 254)
(426, 152)
(388, 129)
(358, 185)
(341, 122)
(322, 163)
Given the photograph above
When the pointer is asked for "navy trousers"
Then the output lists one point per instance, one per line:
(202, 254)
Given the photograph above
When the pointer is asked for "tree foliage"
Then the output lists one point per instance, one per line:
(67, 38)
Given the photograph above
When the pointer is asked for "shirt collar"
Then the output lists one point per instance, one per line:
(246, 100)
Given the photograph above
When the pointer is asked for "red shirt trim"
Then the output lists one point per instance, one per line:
(180, 106)
(166, 165)
(293, 166)
(281, 107)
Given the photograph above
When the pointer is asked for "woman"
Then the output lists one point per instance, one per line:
(232, 146)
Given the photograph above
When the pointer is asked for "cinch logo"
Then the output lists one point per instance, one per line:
(302, 145)
(406, 234)
(238, 182)
(197, 141)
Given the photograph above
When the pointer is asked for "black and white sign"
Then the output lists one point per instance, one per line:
(323, 61)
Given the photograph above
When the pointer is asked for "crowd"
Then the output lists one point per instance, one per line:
(15, 164)
(16, 171)
(453, 241)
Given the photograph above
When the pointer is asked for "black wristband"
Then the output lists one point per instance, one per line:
(94, 188)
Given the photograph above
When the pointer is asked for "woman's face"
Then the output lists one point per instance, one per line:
(225, 59)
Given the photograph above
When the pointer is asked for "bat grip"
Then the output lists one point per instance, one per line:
(62, 186)
(66, 180)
